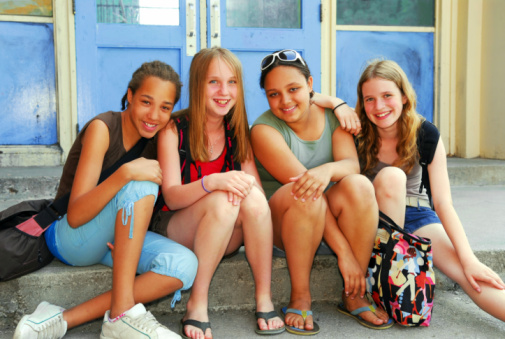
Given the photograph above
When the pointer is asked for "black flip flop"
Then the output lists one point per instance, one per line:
(191, 322)
(267, 316)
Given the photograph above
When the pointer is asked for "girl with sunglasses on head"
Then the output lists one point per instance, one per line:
(388, 153)
(118, 210)
(321, 195)
(214, 206)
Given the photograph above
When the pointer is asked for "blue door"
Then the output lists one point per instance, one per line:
(114, 37)
(252, 29)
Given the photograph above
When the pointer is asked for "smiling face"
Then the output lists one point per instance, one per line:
(383, 102)
(151, 105)
(220, 89)
(288, 93)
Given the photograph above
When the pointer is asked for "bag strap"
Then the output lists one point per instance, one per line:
(58, 208)
(427, 141)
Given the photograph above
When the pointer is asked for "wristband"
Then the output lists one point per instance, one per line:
(203, 186)
(342, 103)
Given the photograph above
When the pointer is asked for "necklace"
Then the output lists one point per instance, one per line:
(211, 146)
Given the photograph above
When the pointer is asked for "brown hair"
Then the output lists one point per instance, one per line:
(157, 69)
(409, 122)
(196, 110)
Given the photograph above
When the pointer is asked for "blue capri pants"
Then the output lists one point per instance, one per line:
(87, 244)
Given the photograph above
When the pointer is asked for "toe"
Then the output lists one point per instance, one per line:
(262, 324)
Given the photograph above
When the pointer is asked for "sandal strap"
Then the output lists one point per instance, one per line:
(266, 315)
(363, 309)
(304, 314)
(201, 325)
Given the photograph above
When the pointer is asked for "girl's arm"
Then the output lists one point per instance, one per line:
(314, 181)
(175, 194)
(278, 159)
(347, 117)
(179, 196)
(274, 154)
(442, 201)
(87, 198)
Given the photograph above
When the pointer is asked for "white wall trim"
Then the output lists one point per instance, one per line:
(66, 86)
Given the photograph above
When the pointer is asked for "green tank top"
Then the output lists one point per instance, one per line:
(310, 153)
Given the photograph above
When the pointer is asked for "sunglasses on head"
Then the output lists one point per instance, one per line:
(285, 55)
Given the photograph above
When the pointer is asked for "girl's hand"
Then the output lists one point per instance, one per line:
(349, 120)
(312, 183)
(238, 183)
(476, 271)
(143, 169)
(354, 280)
(234, 199)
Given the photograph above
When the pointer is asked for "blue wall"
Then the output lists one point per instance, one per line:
(412, 51)
(27, 86)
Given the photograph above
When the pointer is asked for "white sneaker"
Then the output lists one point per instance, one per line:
(136, 323)
(45, 323)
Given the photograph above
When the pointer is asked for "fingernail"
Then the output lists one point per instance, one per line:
(303, 199)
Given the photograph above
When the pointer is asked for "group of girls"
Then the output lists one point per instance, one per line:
(213, 201)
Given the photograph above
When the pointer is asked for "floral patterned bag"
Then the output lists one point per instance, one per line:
(400, 275)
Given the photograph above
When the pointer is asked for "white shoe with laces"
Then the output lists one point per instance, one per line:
(135, 323)
(45, 323)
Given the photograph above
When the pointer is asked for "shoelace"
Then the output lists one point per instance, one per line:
(146, 322)
(51, 328)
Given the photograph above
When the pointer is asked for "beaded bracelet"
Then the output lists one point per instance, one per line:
(342, 103)
(203, 186)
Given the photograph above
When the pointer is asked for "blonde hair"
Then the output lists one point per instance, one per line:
(409, 122)
(196, 111)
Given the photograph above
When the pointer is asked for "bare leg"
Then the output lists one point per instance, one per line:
(353, 203)
(143, 293)
(390, 186)
(445, 258)
(205, 227)
(256, 225)
(298, 229)
(127, 254)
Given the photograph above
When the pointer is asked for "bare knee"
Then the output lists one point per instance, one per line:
(219, 208)
(300, 214)
(390, 183)
(357, 191)
(254, 206)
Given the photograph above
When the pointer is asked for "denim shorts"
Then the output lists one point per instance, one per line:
(87, 244)
(417, 217)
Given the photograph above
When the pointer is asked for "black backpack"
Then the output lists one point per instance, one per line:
(427, 141)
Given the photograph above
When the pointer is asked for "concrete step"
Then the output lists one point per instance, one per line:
(20, 183)
(231, 299)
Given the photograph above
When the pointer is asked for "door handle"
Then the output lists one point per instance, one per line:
(215, 24)
(190, 28)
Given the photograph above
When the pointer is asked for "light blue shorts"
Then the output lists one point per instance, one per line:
(87, 244)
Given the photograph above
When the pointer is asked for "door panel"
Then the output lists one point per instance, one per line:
(108, 53)
(251, 44)
(412, 51)
(27, 86)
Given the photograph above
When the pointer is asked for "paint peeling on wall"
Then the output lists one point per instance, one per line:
(27, 7)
